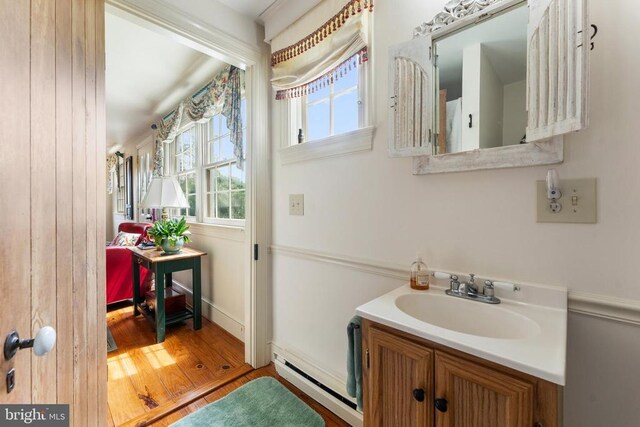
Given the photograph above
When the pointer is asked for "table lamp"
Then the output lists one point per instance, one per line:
(164, 192)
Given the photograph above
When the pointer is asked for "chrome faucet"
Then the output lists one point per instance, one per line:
(469, 287)
(469, 290)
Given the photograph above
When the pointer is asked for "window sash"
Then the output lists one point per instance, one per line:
(201, 149)
(331, 97)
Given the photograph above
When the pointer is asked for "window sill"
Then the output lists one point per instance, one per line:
(337, 145)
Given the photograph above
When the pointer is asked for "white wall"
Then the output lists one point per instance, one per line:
(369, 206)
(222, 275)
(514, 113)
(471, 85)
(491, 103)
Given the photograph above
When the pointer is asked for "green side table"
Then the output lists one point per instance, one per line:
(163, 266)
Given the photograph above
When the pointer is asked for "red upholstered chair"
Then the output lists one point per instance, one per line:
(120, 269)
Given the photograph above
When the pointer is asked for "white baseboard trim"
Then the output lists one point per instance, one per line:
(596, 305)
(216, 315)
(280, 356)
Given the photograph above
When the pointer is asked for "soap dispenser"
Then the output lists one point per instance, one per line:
(419, 275)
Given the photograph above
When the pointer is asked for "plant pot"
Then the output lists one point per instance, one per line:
(171, 248)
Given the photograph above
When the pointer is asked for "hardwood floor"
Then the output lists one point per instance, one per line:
(329, 417)
(145, 377)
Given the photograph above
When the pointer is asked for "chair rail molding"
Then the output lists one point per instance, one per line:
(590, 304)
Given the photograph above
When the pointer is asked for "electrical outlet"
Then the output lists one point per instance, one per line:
(577, 204)
(296, 204)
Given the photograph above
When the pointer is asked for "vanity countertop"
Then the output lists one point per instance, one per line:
(541, 353)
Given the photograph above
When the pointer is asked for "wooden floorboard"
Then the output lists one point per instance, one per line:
(148, 381)
(329, 417)
(143, 375)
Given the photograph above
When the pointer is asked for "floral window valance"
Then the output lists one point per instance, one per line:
(321, 57)
(112, 164)
(223, 94)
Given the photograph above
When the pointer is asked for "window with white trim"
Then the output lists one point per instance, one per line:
(336, 108)
(203, 161)
(224, 181)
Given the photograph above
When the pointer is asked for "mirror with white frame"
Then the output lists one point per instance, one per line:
(490, 84)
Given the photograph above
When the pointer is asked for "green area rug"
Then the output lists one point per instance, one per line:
(263, 402)
(111, 343)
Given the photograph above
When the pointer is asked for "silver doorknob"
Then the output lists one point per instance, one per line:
(42, 344)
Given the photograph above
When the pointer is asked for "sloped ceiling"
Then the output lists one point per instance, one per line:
(147, 75)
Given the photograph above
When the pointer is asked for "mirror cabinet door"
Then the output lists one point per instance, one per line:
(411, 96)
(558, 67)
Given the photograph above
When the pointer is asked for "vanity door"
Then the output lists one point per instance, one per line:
(398, 381)
(470, 395)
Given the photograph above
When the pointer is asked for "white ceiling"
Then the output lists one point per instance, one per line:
(147, 75)
(251, 8)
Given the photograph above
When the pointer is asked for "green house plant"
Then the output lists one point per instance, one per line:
(171, 234)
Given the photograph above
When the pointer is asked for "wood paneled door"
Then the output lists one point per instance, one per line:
(477, 396)
(401, 377)
(52, 196)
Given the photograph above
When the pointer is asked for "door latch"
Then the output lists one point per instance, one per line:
(11, 380)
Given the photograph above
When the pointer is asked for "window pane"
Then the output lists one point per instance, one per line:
(319, 94)
(190, 159)
(223, 125)
(222, 181)
(345, 112)
(213, 151)
(226, 148)
(237, 205)
(243, 110)
(346, 81)
(179, 167)
(191, 183)
(222, 201)
(214, 126)
(192, 205)
(211, 180)
(211, 206)
(237, 177)
(318, 121)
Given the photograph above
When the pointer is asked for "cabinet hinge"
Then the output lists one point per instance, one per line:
(255, 252)
(367, 356)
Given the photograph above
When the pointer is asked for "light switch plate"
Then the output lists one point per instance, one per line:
(578, 202)
(296, 204)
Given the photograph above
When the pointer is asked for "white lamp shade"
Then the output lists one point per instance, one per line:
(164, 192)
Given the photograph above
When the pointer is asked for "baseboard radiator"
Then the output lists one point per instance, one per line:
(327, 397)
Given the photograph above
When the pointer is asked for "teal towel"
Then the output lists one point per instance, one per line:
(354, 360)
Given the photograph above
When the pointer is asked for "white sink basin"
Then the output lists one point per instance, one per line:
(527, 331)
(467, 317)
